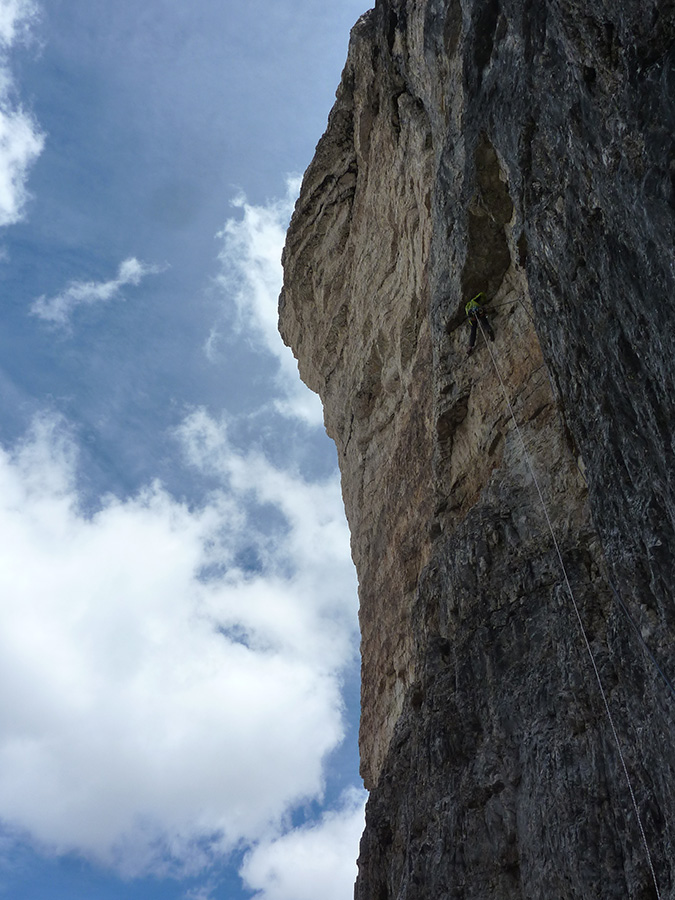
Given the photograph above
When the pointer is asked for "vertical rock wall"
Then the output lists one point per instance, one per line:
(524, 149)
(355, 309)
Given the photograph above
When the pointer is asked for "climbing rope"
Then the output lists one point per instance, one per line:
(515, 302)
(489, 308)
(578, 614)
(632, 621)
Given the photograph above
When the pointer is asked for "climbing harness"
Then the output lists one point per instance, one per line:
(490, 308)
(578, 615)
(474, 303)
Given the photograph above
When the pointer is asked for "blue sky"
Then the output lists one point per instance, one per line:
(178, 636)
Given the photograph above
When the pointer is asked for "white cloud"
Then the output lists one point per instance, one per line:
(314, 545)
(20, 145)
(15, 17)
(170, 677)
(58, 309)
(161, 700)
(251, 279)
(211, 345)
(21, 140)
(310, 862)
(203, 892)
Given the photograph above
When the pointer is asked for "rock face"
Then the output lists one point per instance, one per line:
(524, 149)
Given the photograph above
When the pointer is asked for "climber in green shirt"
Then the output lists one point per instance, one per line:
(475, 312)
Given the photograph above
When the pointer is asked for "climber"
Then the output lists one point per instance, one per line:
(475, 312)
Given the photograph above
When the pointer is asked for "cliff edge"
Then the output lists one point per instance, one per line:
(518, 713)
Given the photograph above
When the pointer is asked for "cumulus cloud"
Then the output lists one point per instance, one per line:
(20, 145)
(58, 309)
(21, 140)
(15, 18)
(251, 280)
(171, 675)
(317, 860)
(314, 545)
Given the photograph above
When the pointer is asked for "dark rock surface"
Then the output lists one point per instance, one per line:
(524, 148)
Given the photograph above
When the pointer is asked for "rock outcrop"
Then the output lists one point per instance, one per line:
(524, 149)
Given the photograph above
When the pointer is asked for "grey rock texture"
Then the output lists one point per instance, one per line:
(525, 149)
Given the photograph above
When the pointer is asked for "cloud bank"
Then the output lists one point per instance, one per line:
(172, 673)
(15, 18)
(164, 699)
(314, 861)
(21, 140)
(59, 309)
(251, 278)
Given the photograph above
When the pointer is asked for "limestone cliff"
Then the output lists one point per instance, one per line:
(523, 148)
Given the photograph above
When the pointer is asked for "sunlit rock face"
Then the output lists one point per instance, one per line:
(524, 149)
